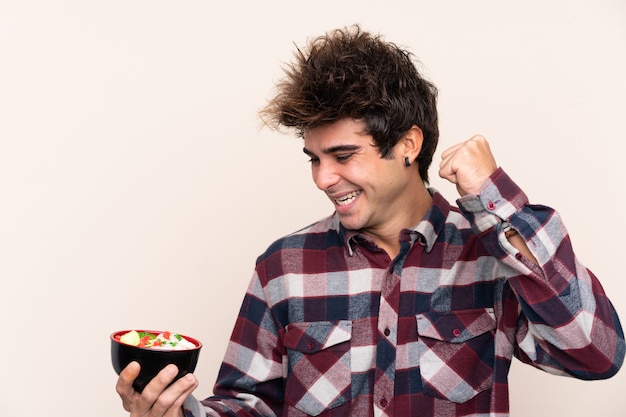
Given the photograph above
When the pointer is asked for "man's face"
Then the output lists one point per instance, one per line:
(368, 192)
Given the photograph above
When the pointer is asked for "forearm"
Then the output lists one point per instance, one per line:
(575, 331)
(520, 245)
(572, 325)
(567, 324)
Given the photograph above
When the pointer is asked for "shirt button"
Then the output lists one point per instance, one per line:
(310, 345)
(383, 402)
(491, 205)
(387, 331)
(456, 332)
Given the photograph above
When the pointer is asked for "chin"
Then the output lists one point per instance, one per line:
(351, 224)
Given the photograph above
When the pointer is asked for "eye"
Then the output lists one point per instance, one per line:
(314, 160)
(344, 157)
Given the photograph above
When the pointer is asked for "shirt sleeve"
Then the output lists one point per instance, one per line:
(564, 323)
(250, 380)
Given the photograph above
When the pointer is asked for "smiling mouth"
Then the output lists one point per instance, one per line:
(347, 199)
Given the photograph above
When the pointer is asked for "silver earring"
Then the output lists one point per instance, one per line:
(407, 163)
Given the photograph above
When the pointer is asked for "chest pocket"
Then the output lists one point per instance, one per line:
(456, 352)
(318, 369)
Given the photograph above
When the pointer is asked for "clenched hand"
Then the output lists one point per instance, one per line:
(468, 165)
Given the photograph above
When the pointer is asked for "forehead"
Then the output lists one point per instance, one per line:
(344, 131)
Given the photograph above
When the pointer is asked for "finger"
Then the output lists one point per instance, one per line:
(446, 173)
(157, 385)
(176, 394)
(448, 152)
(124, 386)
(446, 168)
(156, 399)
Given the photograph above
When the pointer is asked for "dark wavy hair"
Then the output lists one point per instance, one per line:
(350, 73)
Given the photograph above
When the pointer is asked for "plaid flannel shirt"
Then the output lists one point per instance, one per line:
(331, 326)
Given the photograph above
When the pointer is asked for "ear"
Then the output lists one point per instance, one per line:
(411, 143)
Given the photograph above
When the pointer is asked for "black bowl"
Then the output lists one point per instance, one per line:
(152, 360)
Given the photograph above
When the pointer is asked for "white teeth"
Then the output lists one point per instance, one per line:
(348, 198)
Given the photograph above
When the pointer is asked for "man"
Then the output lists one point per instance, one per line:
(398, 304)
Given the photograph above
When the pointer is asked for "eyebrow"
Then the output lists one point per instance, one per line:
(334, 149)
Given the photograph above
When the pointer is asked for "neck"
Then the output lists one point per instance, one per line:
(409, 215)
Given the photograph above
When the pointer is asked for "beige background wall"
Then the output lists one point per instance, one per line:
(137, 189)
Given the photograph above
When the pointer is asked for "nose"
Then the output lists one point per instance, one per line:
(324, 175)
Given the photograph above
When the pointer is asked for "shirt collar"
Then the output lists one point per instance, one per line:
(433, 223)
(426, 231)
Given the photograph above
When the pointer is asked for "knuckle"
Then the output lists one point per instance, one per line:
(163, 402)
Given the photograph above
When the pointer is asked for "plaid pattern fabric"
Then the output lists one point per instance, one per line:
(331, 326)
(319, 372)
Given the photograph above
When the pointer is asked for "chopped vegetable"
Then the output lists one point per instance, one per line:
(163, 341)
(130, 338)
